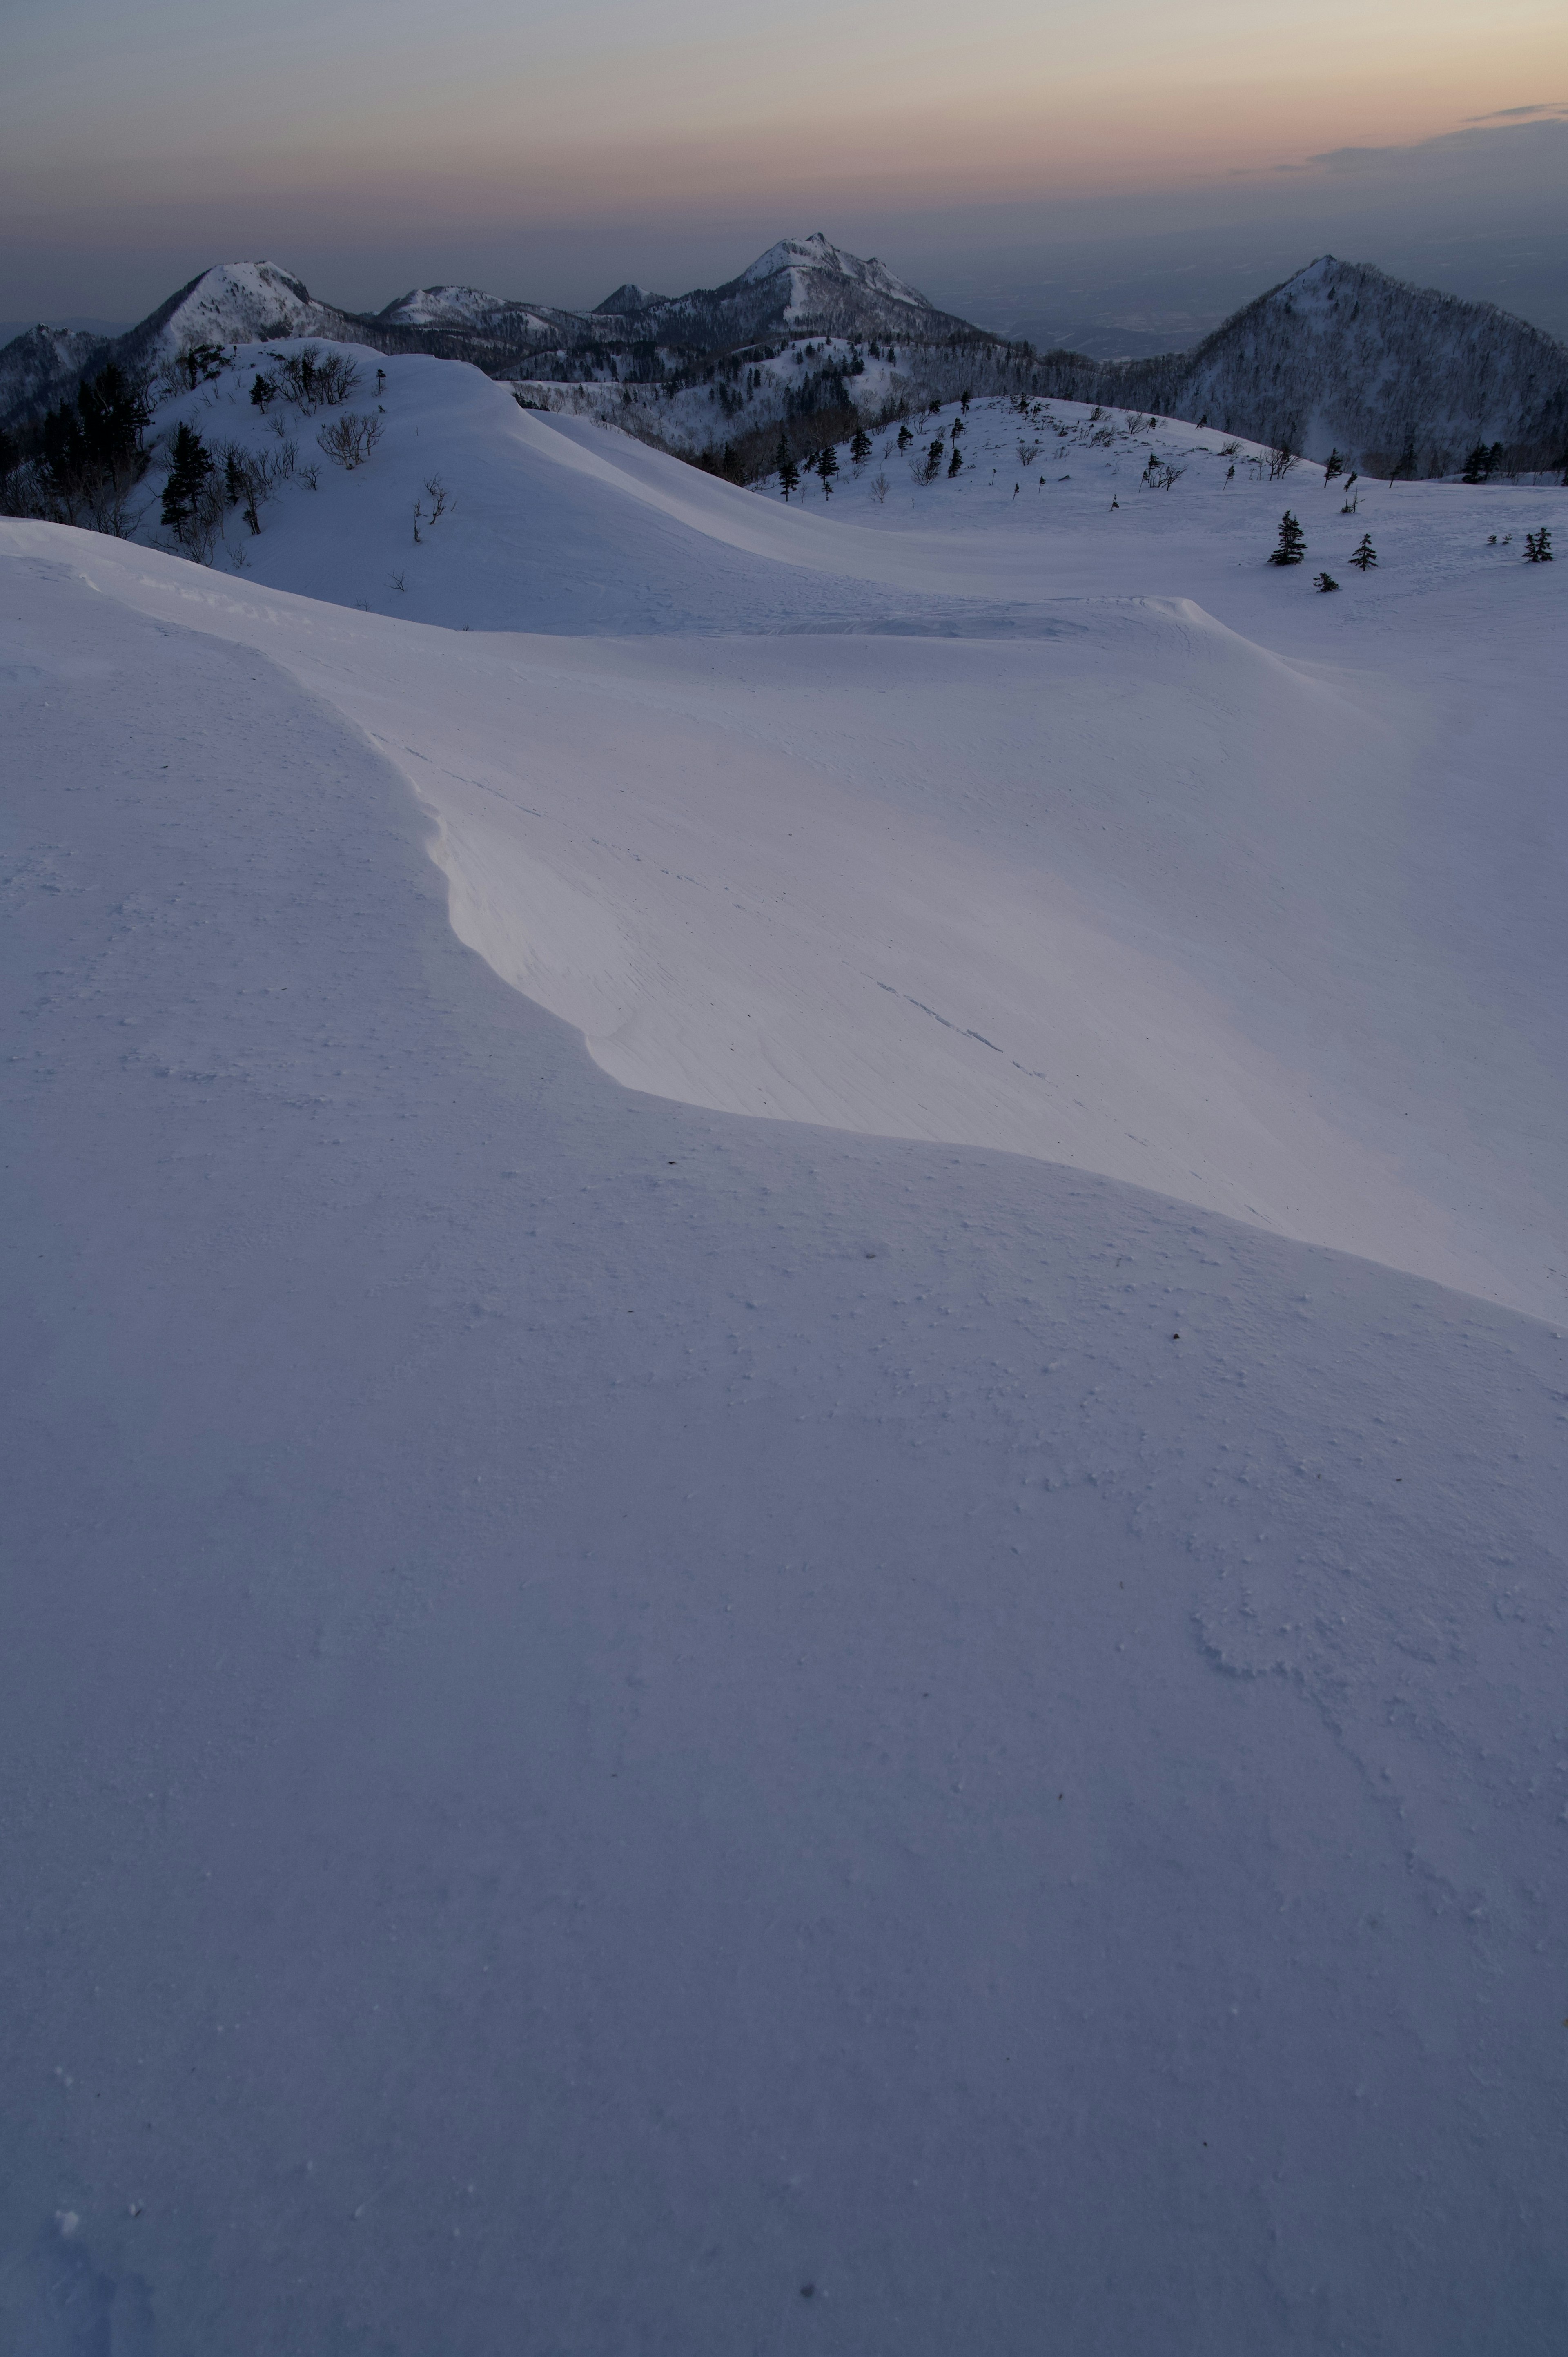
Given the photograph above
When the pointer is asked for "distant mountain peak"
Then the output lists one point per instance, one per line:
(427, 306)
(817, 253)
(627, 298)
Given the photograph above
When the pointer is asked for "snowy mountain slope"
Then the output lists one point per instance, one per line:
(1137, 891)
(1377, 367)
(42, 365)
(623, 1715)
(1343, 357)
(235, 303)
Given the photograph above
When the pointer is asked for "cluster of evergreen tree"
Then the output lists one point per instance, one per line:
(89, 450)
(1538, 547)
(1482, 463)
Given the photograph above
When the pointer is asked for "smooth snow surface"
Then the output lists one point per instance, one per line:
(958, 838)
(878, 1670)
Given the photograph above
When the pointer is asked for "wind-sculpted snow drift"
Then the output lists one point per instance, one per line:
(848, 1684)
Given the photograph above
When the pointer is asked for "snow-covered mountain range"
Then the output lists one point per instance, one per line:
(800, 287)
(1340, 356)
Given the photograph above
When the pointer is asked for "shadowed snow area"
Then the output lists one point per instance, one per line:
(880, 1669)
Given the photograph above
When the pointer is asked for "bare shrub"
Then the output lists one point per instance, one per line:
(193, 363)
(439, 501)
(348, 441)
(1281, 461)
(1027, 452)
(879, 488)
(315, 379)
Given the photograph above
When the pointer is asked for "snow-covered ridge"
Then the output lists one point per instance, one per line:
(561, 529)
(446, 306)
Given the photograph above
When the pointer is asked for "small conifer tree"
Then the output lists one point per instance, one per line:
(1364, 556)
(1336, 467)
(788, 473)
(1292, 547)
(1324, 581)
(827, 467)
(1538, 547)
(904, 436)
(189, 466)
(860, 448)
(955, 464)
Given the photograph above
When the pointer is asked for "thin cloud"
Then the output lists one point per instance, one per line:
(1520, 118)
(1515, 114)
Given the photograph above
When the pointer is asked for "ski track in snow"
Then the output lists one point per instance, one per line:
(856, 1651)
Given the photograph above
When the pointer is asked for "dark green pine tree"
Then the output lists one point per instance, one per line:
(955, 464)
(1293, 542)
(1336, 467)
(827, 467)
(860, 448)
(788, 473)
(189, 466)
(114, 411)
(1538, 547)
(1364, 557)
(904, 436)
(1475, 467)
(1324, 581)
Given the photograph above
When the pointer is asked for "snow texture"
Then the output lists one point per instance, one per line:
(784, 1525)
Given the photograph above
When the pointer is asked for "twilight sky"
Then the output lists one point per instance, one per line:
(551, 149)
